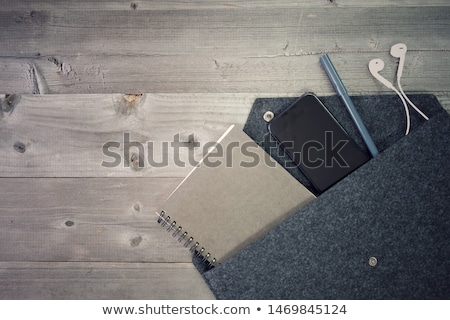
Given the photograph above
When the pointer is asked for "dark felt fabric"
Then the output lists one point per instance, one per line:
(395, 208)
(384, 117)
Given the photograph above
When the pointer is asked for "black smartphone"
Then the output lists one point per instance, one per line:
(316, 142)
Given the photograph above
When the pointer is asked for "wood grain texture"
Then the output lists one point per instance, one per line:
(86, 220)
(99, 281)
(258, 73)
(71, 228)
(205, 4)
(18, 76)
(390, 3)
(216, 50)
(155, 5)
(65, 135)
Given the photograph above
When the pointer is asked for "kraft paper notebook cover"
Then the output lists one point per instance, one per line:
(236, 194)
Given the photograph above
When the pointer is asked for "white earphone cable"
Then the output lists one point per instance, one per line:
(409, 101)
(405, 105)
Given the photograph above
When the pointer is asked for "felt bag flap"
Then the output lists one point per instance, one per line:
(383, 115)
(380, 233)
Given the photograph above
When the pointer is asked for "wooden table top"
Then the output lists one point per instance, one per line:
(76, 77)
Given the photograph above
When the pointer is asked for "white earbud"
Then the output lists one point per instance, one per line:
(375, 66)
(399, 51)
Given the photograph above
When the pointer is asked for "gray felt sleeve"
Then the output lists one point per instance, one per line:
(395, 208)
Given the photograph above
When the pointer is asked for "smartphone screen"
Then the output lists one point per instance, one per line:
(316, 142)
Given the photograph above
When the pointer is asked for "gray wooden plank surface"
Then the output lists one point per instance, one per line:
(258, 73)
(72, 229)
(86, 220)
(65, 135)
(205, 4)
(58, 145)
(389, 3)
(158, 5)
(101, 280)
(18, 76)
(214, 50)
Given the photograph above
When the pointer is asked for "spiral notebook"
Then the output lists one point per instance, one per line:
(236, 194)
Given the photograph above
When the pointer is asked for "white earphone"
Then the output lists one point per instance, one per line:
(376, 65)
(399, 51)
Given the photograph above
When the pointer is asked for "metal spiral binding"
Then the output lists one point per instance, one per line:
(164, 221)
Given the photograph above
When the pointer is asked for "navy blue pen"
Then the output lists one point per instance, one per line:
(342, 92)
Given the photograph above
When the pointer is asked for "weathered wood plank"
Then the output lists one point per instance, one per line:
(86, 220)
(211, 50)
(158, 32)
(238, 32)
(390, 3)
(65, 135)
(259, 73)
(99, 281)
(17, 75)
(288, 74)
(204, 4)
(155, 5)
